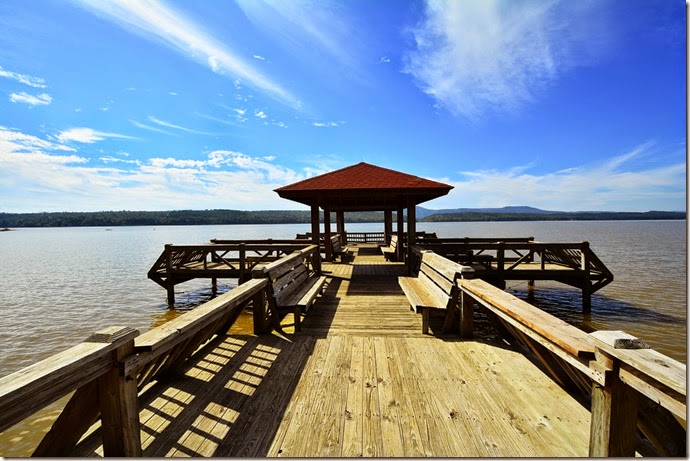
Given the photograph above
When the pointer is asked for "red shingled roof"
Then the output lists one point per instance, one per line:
(364, 176)
(363, 187)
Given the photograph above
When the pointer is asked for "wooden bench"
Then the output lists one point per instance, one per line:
(435, 288)
(339, 250)
(390, 252)
(292, 287)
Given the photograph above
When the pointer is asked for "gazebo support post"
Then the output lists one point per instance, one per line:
(411, 233)
(340, 226)
(401, 224)
(315, 231)
(387, 226)
(328, 245)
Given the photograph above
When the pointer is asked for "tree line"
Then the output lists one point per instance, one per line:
(205, 217)
(558, 216)
(168, 218)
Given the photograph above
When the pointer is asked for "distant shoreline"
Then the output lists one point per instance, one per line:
(8, 221)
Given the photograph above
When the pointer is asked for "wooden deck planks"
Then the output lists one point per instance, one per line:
(361, 380)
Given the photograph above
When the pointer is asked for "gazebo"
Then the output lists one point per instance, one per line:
(363, 187)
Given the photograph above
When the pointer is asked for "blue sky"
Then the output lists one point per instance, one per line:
(162, 105)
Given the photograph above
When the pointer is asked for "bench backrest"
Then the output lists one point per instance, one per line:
(439, 274)
(335, 243)
(288, 274)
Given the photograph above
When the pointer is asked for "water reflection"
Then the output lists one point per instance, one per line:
(190, 299)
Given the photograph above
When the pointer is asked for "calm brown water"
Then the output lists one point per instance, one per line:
(59, 285)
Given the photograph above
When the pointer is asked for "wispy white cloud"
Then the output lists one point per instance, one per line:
(260, 114)
(155, 20)
(483, 56)
(310, 29)
(112, 159)
(33, 100)
(328, 124)
(613, 184)
(37, 175)
(144, 126)
(87, 135)
(217, 119)
(13, 141)
(35, 82)
(165, 124)
(259, 57)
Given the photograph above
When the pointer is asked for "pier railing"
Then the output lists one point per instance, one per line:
(631, 386)
(498, 260)
(218, 259)
(108, 370)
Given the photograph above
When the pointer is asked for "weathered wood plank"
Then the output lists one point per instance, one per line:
(354, 416)
(664, 369)
(389, 404)
(404, 395)
(559, 332)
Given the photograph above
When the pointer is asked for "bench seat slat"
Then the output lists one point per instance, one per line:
(307, 293)
(415, 292)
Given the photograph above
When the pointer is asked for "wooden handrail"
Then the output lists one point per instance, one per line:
(91, 365)
(108, 370)
(309, 252)
(649, 372)
(24, 392)
(620, 367)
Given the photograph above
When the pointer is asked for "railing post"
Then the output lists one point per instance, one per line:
(242, 263)
(259, 312)
(500, 264)
(169, 283)
(118, 400)
(466, 307)
(586, 283)
(613, 426)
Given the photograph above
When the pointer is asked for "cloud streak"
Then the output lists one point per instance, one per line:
(165, 124)
(310, 29)
(42, 99)
(479, 57)
(610, 185)
(87, 135)
(157, 21)
(35, 82)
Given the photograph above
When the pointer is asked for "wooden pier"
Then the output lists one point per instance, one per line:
(226, 259)
(359, 379)
(495, 260)
(498, 260)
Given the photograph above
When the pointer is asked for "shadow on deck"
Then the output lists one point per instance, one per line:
(360, 379)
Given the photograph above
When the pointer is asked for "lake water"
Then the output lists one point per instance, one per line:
(59, 285)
